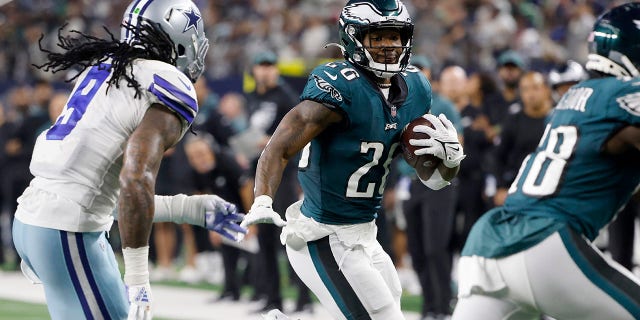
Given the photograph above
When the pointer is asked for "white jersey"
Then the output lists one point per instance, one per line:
(77, 161)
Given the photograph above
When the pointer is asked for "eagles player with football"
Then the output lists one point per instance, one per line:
(348, 127)
(133, 99)
(533, 256)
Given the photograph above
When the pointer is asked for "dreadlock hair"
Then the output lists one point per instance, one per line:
(150, 42)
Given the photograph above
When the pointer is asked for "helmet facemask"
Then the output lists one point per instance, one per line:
(191, 60)
(362, 54)
(617, 65)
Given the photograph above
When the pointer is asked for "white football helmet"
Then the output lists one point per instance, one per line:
(181, 21)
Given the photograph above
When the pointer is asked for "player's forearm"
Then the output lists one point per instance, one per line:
(246, 194)
(135, 212)
(269, 173)
(292, 134)
(448, 173)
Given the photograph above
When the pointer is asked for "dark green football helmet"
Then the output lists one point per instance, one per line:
(614, 43)
(360, 17)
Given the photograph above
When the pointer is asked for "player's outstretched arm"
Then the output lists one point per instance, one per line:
(299, 126)
(206, 210)
(159, 130)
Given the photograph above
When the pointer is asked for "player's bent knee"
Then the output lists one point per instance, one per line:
(386, 312)
(484, 307)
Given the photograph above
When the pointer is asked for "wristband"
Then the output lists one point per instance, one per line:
(136, 266)
(263, 200)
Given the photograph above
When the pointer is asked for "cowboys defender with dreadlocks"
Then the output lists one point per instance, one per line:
(133, 99)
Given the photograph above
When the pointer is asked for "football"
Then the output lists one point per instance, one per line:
(422, 163)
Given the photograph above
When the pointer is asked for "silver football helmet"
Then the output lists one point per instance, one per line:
(182, 22)
(569, 72)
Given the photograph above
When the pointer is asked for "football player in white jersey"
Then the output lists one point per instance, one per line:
(133, 100)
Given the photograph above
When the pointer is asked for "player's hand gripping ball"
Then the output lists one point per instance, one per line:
(423, 163)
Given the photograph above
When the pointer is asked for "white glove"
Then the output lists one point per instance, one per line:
(139, 302)
(443, 142)
(136, 278)
(262, 212)
(223, 217)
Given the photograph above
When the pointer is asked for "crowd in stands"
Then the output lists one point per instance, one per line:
(489, 59)
(469, 33)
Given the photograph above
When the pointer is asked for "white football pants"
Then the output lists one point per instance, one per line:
(564, 277)
(349, 282)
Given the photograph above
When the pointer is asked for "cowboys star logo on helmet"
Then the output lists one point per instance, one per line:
(193, 19)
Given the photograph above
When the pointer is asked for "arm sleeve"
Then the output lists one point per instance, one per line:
(179, 209)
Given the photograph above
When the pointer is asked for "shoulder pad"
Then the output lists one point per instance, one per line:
(330, 83)
(173, 89)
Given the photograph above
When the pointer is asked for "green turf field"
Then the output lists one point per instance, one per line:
(18, 310)
(10, 310)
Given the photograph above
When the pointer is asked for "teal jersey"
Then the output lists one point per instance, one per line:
(568, 180)
(343, 170)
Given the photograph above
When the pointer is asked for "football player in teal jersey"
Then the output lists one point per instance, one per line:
(348, 127)
(534, 256)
